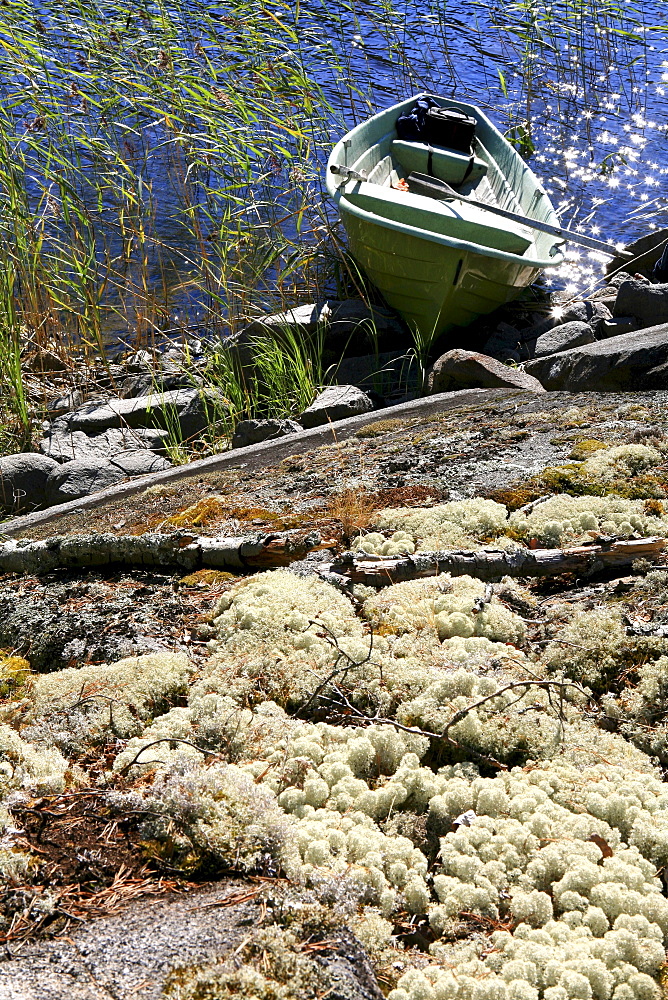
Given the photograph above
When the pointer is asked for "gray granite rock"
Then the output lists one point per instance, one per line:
(470, 370)
(505, 344)
(144, 384)
(64, 444)
(353, 318)
(23, 481)
(637, 360)
(343, 324)
(140, 462)
(80, 477)
(648, 303)
(62, 404)
(646, 250)
(253, 431)
(592, 312)
(336, 403)
(563, 337)
(618, 325)
(190, 409)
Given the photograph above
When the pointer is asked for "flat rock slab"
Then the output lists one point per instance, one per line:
(470, 370)
(63, 444)
(126, 956)
(187, 408)
(636, 360)
(132, 955)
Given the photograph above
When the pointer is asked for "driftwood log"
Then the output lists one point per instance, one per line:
(179, 549)
(489, 564)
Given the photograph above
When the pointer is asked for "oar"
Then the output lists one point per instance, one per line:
(439, 189)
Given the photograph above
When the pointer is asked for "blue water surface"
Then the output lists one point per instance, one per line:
(580, 87)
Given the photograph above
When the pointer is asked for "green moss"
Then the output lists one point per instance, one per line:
(583, 449)
(573, 478)
(207, 578)
(14, 675)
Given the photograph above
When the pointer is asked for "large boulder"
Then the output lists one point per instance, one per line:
(336, 403)
(468, 370)
(23, 481)
(563, 337)
(64, 444)
(637, 360)
(253, 431)
(646, 251)
(648, 303)
(189, 410)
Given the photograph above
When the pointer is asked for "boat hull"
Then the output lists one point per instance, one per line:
(433, 287)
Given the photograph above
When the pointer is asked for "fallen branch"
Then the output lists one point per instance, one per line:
(489, 564)
(179, 549)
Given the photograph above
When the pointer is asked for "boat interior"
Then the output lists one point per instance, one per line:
(397, 188)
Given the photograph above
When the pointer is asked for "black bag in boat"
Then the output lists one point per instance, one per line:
(449, 127)
(410, 125)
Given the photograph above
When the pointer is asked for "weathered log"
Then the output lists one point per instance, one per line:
(489, 564)
(179, 549)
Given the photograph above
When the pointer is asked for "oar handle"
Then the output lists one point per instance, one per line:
(347, 172)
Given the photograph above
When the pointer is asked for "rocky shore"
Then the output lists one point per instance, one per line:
(614, 340)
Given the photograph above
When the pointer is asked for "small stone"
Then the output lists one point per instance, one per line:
(140, 463)
(563, 337)
(617, 279)
(64, 403)
(253, 431)
(336, 403)
(470, 370)
(23, 481)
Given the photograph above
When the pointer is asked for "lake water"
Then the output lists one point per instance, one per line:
(593, 87)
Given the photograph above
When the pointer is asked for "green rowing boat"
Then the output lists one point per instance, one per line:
(441, 263)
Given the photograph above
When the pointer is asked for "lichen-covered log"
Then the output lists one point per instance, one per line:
(179, 549)
(491, 564)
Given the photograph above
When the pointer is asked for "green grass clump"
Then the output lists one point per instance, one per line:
(379, 428)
